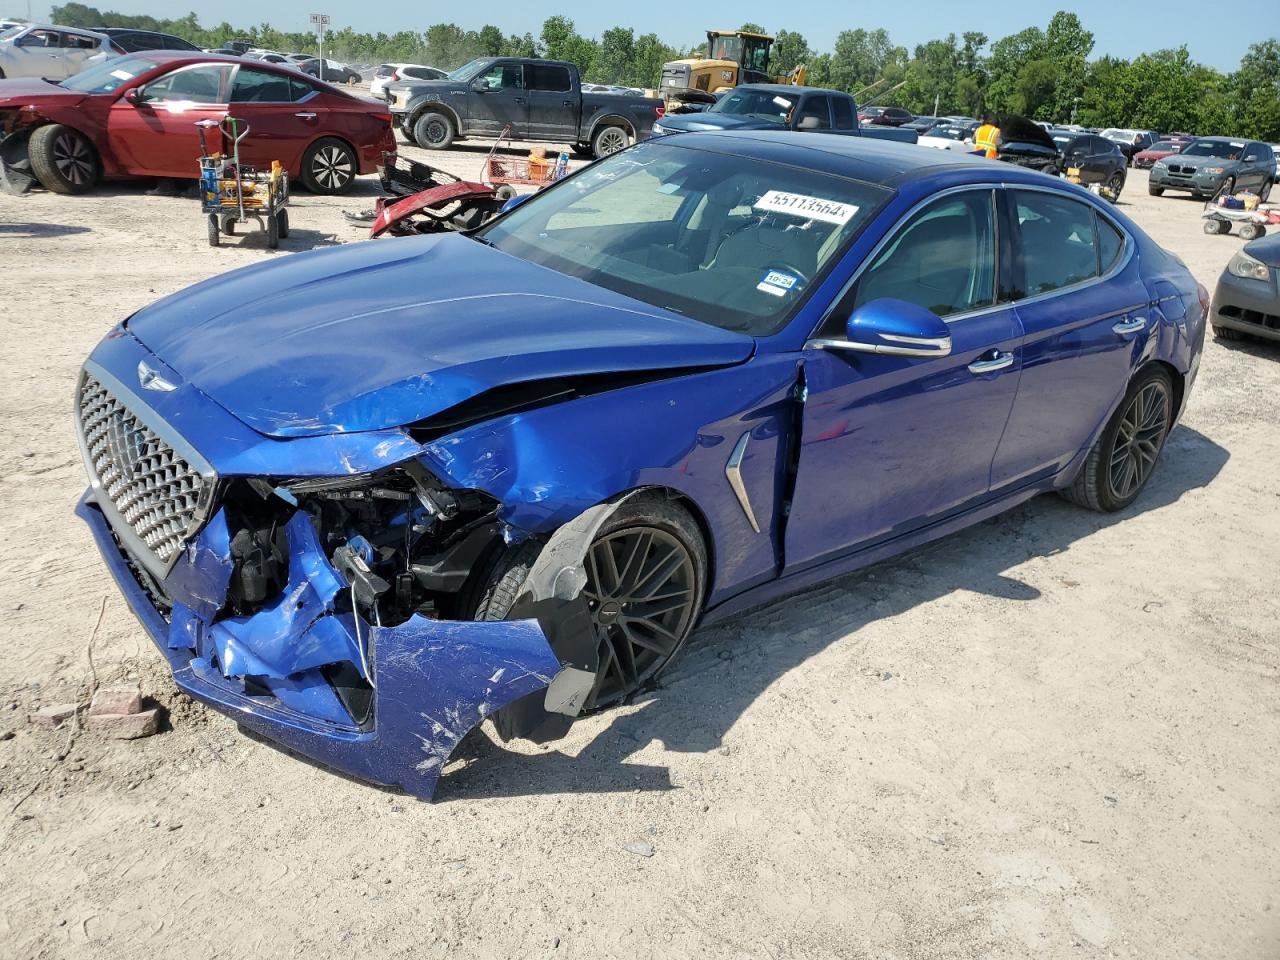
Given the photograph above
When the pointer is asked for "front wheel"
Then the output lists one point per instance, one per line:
(1116, 185)
(63, 159)
(1155, 191)
(215, 236)
(434, 131)
(329, 167)
(646, 579)
(1121, 462)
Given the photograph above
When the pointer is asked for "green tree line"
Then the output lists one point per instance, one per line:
(1044, 73)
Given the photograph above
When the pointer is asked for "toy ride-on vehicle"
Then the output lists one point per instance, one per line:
(232, 194)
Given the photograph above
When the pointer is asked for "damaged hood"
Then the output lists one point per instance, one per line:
(21, 92)
(376, 335)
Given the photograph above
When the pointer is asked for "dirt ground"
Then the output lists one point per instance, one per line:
(1054, 735)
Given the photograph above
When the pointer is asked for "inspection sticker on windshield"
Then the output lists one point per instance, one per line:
(777, 283)
(813, 208)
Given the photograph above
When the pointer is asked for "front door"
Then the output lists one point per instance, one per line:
(1083, 336)
(890, 444)
(498, 101)
(553, 103)
(1255, 170)
(155, 134)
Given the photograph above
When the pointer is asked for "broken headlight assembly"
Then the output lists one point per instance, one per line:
(404, 542)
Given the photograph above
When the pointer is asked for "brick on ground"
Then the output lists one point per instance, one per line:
(125, 726)
(116, 700)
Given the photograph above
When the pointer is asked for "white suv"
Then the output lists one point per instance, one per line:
(387, 72)
(39, 50)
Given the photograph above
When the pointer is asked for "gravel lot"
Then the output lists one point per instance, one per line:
(1054, 735)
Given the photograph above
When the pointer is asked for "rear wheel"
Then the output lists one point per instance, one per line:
(1252, 231)
(1227, 189)
(273, 233)
(1121, 462)
(1116, 185)
(63, 159)
(1265, 193)
(608, 141)
(646, 579)
(329, 167)
(434, 131)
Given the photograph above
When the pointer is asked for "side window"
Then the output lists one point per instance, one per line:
(1057, 241)
(1253, 154)
(78, 41)
(843, 113)
(814, 114)
(299, 89)
(943, 259)
(40, 38)
(505, 76)
(544, 77)
(202, 84)
(1110, 243)
(258, 86)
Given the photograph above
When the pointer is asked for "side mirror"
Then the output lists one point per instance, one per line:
(894, 328)
(480, 85)
(135, 96)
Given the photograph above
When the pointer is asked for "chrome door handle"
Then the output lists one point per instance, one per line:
(999, 362)
(1129, 326)
(305, 116)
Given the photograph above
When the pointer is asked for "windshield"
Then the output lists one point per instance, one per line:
(757, 104)
(1166, 146)
(726, 48)
(728, 240)
(1224, 149)
(109, 76)
(8, 32)
(468, 69)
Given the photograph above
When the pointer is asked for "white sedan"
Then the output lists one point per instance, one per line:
(955, 138)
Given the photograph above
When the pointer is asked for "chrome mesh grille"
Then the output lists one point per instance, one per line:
(153, 489)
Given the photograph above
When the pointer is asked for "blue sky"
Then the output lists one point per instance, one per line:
(1120, 27)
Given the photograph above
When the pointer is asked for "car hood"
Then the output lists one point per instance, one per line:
(21, 91)
(1197, 162)
(1265, 250)
(716, 121)
(1015, 127)
(382, 334)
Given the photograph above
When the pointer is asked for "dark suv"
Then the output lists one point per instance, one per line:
(1211, 166)
(128, 40)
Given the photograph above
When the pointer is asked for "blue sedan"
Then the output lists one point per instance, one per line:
(365, 498)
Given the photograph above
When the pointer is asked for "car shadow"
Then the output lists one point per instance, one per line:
(704, 694)
(1253, 346)
(31, 231)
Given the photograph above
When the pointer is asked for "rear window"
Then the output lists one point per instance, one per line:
(384, 70)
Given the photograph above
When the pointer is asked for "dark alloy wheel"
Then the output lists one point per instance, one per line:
(641, 588)
(1116, 185)
(646, 579)
(1121, 462)
(63, 159)
(329, 167)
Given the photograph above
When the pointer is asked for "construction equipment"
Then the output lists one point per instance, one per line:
(733, 57)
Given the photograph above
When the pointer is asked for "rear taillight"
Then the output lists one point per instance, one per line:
(660, 112)
(1203, 294)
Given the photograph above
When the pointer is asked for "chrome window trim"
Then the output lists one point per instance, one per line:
(1121, 263)
(188, 67)
(129, 398)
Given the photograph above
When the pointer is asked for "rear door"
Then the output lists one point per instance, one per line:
(281, 113)
(1085, 315)
(502, 104)
(554, 106)
(157, 135)
(77, 49)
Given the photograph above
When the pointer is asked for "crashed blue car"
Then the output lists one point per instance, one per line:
(365, 498)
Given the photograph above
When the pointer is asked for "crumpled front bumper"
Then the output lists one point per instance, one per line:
(433, 680)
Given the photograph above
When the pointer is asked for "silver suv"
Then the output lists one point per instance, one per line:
(40, 50)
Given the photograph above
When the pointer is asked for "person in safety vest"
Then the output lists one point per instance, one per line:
(987, 139)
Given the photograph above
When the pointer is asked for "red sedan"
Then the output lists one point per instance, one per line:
(135, 117)
(1144, 159)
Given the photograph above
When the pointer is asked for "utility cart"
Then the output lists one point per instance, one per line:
(232, 194)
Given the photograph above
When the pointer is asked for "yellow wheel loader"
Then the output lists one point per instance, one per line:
(733, 57)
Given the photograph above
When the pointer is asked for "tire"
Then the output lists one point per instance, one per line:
(608, 141)
(273, 233)
(63, 159)
(505, 192)
(1265, 193)
(1116, 185)
(1155, 191)
(1227, 189)
(1123, 459)
(282, 218)
(229, 227)
(329, 167)
(1227, 333)
(434, 131)
(647, 522)
(1250, 231)
(1213, 227)
(215, 235)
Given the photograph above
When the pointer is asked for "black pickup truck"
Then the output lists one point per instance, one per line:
(773, 106)
(532, 99)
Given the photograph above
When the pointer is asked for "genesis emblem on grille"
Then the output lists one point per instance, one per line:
(151, 379)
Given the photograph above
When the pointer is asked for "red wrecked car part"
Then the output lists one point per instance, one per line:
(453, 206)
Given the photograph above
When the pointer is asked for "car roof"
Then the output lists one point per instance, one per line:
(875, 161)
(786, 88)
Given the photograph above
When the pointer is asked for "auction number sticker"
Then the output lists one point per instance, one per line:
(777, 283)
(812, 208)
